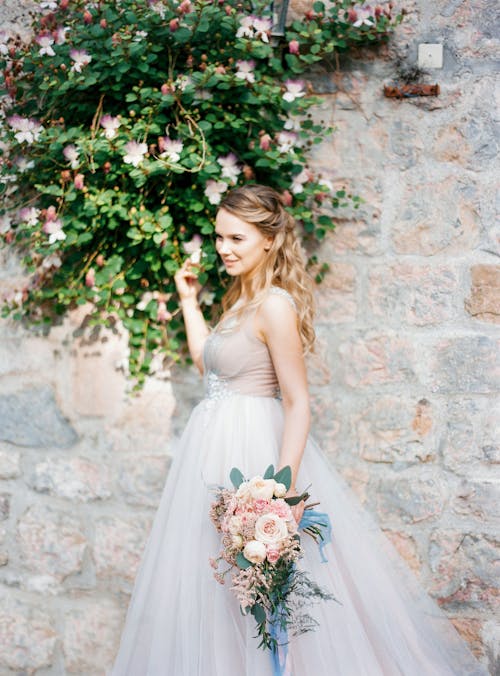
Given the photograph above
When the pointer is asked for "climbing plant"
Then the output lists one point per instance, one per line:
(124, 123)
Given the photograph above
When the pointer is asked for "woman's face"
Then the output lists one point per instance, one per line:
(241, 245)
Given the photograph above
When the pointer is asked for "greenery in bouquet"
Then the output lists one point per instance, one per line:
(261, 548)
(123, 124)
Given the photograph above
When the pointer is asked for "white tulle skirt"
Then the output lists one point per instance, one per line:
(181, 622)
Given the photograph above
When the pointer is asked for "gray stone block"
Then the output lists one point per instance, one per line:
(31, 417)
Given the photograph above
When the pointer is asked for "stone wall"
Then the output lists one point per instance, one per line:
(405, 384)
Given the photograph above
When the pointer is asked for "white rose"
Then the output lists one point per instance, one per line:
(235, 525)
(237, 541)
(261, 489)
(270, 529)
(255, 551)
(280, 490)
(243, 492)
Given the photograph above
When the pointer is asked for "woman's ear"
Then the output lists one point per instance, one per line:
(268, 243)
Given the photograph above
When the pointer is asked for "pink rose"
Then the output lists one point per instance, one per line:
(260, 506)
(281, 509)
(293, 47)
(273, 554)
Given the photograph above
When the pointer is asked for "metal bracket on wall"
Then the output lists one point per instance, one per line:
(405, 91)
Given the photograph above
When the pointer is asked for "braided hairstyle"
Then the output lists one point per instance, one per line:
(283, 264)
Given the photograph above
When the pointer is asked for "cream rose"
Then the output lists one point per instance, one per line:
(261, 489)
(280, 490)
(255, 551)
(270, 529)
(237, 541)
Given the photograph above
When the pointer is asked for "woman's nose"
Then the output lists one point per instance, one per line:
(223, 248)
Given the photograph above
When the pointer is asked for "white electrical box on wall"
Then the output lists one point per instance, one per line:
(430, 55)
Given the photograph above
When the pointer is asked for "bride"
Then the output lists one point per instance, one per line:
(255, 412)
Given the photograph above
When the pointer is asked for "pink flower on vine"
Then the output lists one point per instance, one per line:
(294, 47)
(364, 17)
(245, 70)
(135, 152)
(230, 168)
(193, 244)
(294, 90)
(27, 128)
(170, 148)
(28, 215)
(72, 155)
(110, 125)
(45, 43)
(214, 190)
(286, 141)
(81, 58)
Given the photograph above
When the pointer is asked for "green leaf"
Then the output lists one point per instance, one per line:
(242, 562)
(284, 476)
(269, 472)
(236, 477)
(259, 613)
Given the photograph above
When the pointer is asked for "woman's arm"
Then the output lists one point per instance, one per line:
(197, 330)
(276, 322)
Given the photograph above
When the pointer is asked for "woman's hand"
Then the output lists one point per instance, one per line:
(297, 510)
(186, 280)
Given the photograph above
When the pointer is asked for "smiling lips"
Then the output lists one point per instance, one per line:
(228, 262)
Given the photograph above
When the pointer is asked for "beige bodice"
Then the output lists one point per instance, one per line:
(236, 361)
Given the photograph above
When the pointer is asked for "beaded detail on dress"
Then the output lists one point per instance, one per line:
(216, 387)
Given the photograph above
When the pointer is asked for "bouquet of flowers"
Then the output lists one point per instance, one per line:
(261, 547)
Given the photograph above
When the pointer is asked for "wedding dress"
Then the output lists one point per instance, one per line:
(181, 622)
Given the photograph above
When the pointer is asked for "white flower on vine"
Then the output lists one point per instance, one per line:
(54, 229)
(207, 297)
(170, 148)
(262, 27)
(52, 261)
(28, 215)
(23, 164)
(299, 180)
(45, 42)
(326, 184)
(230, 168)
(214, 190)
(294, 90)
(364, 17)
(255, 27)
(135, 152)
(60, 34)
(246, 27)
(26, 128)
(245, 70)
(72, 155)
(81, 59)
(287, 140)
(110, 125)
(194, 244)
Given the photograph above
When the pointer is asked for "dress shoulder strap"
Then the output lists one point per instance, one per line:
(278, 291)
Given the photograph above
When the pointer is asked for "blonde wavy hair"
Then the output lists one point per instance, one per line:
(283, 265)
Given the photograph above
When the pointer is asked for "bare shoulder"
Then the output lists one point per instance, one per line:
(276, 313)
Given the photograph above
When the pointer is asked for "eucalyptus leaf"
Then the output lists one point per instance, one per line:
(236, 477)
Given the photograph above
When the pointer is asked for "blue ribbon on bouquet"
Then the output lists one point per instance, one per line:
(277, 629)
(322, 521)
